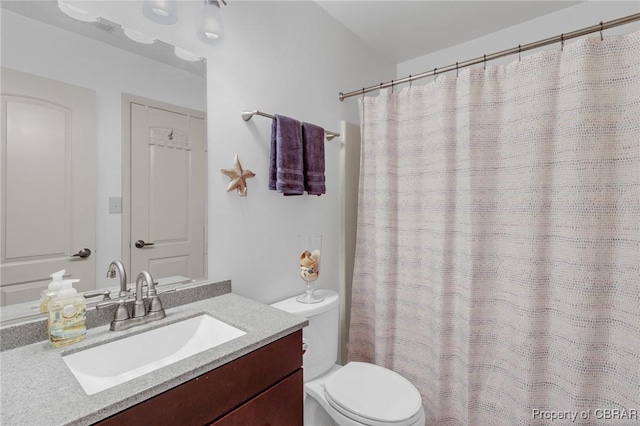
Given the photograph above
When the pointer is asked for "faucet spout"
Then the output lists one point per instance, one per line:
(114, 266)
(138, 306)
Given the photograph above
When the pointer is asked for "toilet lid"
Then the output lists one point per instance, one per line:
(373, 395)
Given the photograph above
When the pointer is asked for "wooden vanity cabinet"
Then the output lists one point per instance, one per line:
(264, 387)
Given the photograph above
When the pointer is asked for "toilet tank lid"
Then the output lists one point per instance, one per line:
(291, 305)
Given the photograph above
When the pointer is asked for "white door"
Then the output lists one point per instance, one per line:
(168, 190)
(48, 184)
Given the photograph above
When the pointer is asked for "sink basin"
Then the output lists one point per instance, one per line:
(102, 367)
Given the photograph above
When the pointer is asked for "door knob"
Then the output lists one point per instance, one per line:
(141, 243)
(85, 252)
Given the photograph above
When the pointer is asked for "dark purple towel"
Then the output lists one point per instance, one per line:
(286, 165)
(313, 158)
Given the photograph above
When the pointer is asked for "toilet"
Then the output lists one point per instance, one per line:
(354, 395)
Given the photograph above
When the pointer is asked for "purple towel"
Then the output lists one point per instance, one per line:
(313, 158)
(286, 165)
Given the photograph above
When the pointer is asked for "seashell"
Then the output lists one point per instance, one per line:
(309, 265)
(307, 262)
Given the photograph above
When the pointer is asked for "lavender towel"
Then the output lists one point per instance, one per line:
(313, 158)
(286, 166)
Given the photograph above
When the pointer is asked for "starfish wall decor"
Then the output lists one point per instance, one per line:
(238, 177)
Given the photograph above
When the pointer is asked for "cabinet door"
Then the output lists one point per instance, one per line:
(280, 405)
(214, 394)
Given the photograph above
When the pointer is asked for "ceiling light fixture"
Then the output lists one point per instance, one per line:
(161, 11)
(211, 30)
(186, 55)
(138, 36)
(75, 12)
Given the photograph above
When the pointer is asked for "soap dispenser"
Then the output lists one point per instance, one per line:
(50, 292)
(67, 316)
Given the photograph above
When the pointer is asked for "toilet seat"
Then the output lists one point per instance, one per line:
(373, 395)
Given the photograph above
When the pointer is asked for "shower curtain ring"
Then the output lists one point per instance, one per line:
(391, 86)
(456, 70)
(601, 28)
(435, 74)
(561, 42)
(410, 81)
(485, 62)
(519, 52)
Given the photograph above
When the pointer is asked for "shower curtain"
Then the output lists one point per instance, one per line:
(498, 245)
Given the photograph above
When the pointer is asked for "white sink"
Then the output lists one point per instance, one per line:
(113, 363)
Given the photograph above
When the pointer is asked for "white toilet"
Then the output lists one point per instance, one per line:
(356, 394)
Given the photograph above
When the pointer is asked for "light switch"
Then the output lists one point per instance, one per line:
(115, 205)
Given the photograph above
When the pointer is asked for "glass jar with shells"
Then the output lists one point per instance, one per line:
(310, 248)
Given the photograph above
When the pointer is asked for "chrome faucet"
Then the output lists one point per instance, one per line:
(140, 314)
(114, 266)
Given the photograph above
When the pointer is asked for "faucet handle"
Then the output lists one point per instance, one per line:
(151, 288)
(156, 303)
(125, 294)
(111, 302)
(105, 294)
(122, 313)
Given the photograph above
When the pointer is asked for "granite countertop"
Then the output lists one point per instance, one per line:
(37, 388)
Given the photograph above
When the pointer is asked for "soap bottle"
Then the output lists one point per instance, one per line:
(67, 316)
(50, 292)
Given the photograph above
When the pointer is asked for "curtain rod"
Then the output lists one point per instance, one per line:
(483, 59)
(248, 115)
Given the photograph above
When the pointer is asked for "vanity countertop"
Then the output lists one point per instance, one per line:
(37, 388)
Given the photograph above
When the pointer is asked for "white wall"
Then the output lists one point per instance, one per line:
(566, 20)
(281, 57)
(289, 58)
(31, 46)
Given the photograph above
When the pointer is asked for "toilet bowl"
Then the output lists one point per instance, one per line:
(354, 395)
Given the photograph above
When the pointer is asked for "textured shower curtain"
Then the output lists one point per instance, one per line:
(498, 245)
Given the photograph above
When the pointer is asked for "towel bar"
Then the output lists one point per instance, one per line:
(248, 115)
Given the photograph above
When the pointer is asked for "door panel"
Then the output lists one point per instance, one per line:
(168, 175)
(169, 212)
(48, 190)
(169, 266)
(35, 212)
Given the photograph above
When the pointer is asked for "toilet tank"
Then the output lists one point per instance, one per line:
(321, 335)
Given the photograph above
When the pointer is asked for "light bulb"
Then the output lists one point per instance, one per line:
(75, 12)
(211, 30)
(138, 36)
(160, 11)
(186, 55)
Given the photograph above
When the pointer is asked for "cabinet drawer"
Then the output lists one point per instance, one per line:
(279, 405)
(214, 394)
